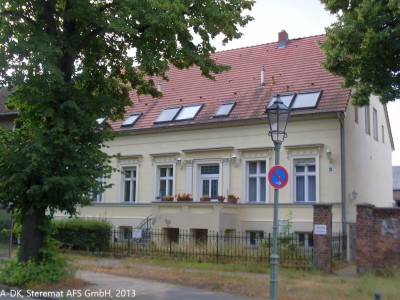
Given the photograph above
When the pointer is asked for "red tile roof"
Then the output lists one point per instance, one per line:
(295, 68)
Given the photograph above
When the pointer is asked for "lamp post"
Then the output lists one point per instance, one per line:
(278, 114)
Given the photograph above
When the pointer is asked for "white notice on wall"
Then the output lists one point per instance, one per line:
(137, 233)
(320, 229)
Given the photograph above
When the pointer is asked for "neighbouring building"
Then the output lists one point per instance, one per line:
(396, 186)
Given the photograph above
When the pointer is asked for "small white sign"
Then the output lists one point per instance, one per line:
(137, 233)
(320, 229)
(330, 169)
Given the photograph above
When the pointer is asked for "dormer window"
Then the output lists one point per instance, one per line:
(168, 114)
(307, 100)
(188, 112)
(225, 109)
(131, 120)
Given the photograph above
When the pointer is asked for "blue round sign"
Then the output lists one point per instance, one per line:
(278, 177)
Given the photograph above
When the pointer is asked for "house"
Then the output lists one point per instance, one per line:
(211, 138)
(7, 116)
(396, 186)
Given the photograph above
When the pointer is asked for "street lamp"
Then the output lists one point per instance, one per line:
(278, 114)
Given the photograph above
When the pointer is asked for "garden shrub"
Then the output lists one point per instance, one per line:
(83, 234)
(5, 221)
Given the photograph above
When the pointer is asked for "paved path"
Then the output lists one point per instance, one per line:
(105, 286)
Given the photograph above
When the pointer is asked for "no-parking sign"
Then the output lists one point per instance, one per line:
(278, 177)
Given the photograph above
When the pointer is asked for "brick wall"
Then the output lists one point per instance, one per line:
(322, 254)
(378, 238)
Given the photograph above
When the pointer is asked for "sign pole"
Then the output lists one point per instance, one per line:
(274, 258)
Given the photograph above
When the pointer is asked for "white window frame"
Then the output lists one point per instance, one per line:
(168, 178)
(375, 123)
(258, 176)
(97, 198)
(198, 187)
(293, 160)
(135, 179)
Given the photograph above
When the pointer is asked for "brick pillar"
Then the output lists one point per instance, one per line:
(323, 239)
(364, 241)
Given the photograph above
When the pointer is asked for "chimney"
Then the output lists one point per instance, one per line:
(159, 86)
(283, 38)
(262, 75)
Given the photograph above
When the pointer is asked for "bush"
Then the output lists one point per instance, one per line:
(5, 221)
(83, 234)
(47, 271)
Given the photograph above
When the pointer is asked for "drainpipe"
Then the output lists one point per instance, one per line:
(341, 117)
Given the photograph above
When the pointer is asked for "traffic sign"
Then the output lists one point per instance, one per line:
(278, 177)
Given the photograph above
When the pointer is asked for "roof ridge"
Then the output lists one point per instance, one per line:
(269, 43)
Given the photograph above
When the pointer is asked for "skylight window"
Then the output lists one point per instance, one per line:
(101, 120)
(188, 112)
(168, 114)
(286, 99)
(225, 109)
(307, 100)
(131, 120)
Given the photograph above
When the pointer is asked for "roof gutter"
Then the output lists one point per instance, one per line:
(341, 116)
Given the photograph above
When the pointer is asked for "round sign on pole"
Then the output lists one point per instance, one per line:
(278, 177)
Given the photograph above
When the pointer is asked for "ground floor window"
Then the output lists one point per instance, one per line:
(172, 234)
(200, 236)
(305, 239)
(254, 238)
(125, 232)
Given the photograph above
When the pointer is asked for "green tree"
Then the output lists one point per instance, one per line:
(70, 62)
(363, 47)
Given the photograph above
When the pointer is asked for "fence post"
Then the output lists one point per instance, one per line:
(217, 247)
(322, 254)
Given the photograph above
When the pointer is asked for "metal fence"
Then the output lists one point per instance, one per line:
(204, 245)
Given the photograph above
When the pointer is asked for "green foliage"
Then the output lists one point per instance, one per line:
(71, 62)
(17, 274)
(363, 47)
(5, 222)
(83, 234)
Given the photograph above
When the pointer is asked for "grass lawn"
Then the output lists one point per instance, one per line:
(249, 279)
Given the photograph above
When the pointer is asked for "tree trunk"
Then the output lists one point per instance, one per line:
(33, 233)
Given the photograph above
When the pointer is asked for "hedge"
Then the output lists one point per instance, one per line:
(83, 234)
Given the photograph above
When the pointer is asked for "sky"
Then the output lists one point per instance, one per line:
(299, 19)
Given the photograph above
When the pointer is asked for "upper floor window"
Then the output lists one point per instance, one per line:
(367, 120)
(97, 195)
(256, 181)
(129, 184)
(375, 124)
(209, 180)
(165, 181)
(305, 180)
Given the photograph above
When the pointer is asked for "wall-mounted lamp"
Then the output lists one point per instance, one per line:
(353, 195)
(329, 154)
(234, 159)
(178, 161)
